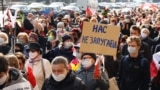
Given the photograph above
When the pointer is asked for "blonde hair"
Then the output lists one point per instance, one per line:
(12, 61)
(134, 39)
(94, 19)
(4, 36)
(23, 34)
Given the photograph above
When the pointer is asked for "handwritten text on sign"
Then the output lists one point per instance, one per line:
(100, 38)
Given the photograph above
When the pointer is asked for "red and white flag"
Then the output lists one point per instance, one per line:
(30, 77)
(89, 11)
(155, 65)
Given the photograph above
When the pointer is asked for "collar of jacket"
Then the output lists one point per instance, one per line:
(68, 80)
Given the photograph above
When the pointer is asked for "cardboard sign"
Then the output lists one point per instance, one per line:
(100, 38)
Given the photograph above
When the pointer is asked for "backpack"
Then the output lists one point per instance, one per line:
(125, 58)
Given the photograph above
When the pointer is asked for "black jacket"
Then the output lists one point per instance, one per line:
(134, 73)
(27, 24)
(149, 41)
(69, 83)
(4, 49)
(93, 84)
(145, 50)
(60, 51)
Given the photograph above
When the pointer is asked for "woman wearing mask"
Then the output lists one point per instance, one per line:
(145, 37)
(40, 67)
(88, 71)
(66, 49)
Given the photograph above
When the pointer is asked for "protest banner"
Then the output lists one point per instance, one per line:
(100, 38)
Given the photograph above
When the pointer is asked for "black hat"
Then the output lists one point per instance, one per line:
(90, 54)
(66, 37)
(33, 46)
(20, 46)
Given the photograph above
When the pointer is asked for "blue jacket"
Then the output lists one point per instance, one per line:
(134, 73)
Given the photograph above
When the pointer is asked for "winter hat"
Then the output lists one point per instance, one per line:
(90, 54)
(20, 46)
(33, 46)
(66, 37)
(33, 35)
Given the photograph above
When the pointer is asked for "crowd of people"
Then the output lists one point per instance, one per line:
(46, 53)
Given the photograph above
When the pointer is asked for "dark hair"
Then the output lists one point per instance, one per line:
(3, 64)
(135, 28)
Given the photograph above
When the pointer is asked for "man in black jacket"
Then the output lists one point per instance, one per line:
(145, 50)
(62, 78)
(134, 72)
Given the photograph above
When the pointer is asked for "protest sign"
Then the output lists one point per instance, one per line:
(100, 38)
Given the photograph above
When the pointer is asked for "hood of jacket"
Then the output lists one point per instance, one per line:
(15, 76)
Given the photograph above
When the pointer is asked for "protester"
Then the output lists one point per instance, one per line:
(41, 67)
(66, 49)
(93, 79)
(4, 48)
(145, 50)
(62, 78)
(13, 61)
(134, 72)
(21, 60)
(11, 79)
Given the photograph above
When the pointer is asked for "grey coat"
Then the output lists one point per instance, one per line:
(90, 82)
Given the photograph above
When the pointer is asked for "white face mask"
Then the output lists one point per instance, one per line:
(3, 79)
(33, 55)
(132, 50)
(143, 35)
(59, 77)
(68, 45)
(86, 63)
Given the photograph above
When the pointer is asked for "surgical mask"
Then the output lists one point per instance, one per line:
(143, 35)
(1, 41)
(132, 50)
(68, 45)
(33, 55)
(3, 79)
(21, 41)
(59, 77)
(50, 38)
(86, 63)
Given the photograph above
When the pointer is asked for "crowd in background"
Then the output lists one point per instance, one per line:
(46, 52)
